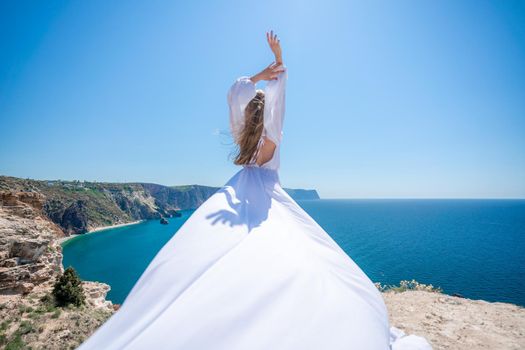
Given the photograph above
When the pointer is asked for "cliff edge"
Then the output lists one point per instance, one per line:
(450, 322)
(30, 262)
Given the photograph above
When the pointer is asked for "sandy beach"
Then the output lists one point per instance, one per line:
(97, 229)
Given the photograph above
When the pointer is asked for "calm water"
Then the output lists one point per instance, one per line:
(472, 247)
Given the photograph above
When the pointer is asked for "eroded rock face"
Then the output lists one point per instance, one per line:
(29, 252)
(75, 218)
(95, 293)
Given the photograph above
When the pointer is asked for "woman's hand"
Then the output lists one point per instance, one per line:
(275, 46)
(275, 68)
(269, 73)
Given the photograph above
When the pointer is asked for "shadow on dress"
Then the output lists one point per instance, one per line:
(247, 201)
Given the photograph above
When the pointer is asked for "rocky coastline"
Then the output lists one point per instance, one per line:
(78, 207)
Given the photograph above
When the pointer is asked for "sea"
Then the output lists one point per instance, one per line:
(474, 248)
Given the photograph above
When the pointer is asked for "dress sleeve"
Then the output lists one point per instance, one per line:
(274, 107)
(240, 94)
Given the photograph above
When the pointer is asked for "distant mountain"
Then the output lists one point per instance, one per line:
(79, 206)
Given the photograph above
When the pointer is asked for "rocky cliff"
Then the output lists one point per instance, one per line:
(30, 261)
(79, 206)
(29, 252)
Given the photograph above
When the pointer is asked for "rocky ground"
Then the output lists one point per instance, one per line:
(449, 322)
(32, 322)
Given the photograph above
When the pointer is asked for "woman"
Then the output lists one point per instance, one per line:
(250, 269)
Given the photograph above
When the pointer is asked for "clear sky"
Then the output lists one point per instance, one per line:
(385, 99)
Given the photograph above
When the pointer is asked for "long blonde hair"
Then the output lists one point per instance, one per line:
(252, 131)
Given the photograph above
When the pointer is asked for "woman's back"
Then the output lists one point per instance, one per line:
(240, 95)
(266, 152)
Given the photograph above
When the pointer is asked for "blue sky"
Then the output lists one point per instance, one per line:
(405, 99)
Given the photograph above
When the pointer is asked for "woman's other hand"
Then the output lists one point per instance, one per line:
(275, 46)
(269, 73)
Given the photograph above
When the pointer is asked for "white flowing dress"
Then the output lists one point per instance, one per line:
(251, 270)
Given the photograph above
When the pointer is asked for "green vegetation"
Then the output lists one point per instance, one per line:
(405, 285)
(4, 325)
(56, 314)
(183, 188)
(68, 289)
(48, 304)
(35, 322)
(25, 327)
(16, 343)
(24, 309)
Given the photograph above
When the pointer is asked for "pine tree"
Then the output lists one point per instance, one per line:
(68, 289)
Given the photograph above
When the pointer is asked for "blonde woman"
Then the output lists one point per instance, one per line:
(250, 269)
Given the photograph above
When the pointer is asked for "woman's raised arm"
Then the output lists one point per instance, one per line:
(275, 68)
(275, 46)
(243, 90)
(275, 94)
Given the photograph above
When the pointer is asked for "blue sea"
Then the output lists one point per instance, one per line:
(475, 248)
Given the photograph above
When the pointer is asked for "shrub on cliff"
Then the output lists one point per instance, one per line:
(405, 285)
(68, 289)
